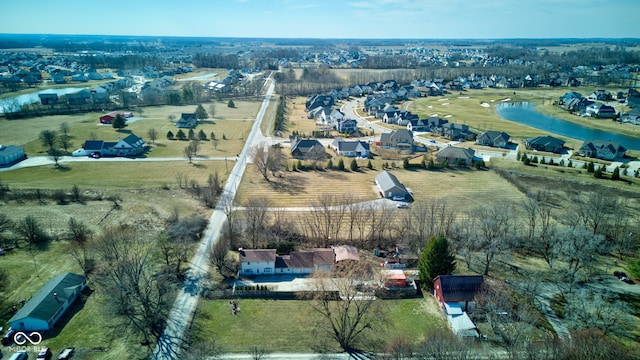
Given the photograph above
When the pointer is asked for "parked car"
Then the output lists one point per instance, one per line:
(403, 206)
(7, 339)
(66, 353)
(44, 354)
(20, 355)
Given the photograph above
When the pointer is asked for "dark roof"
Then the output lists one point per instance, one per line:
(188, 116)
(132, 140)
(351, 145)
(456, 152)
(324, 256)
(459, 287)
(258, 255)
(10, 150)
(304, 145)
(93, 145)
(545, 141)
(44, 304)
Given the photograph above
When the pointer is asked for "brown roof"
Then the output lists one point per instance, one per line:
(346, 252)
(247, 255)
(323, 256)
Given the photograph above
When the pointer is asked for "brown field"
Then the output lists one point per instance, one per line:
(464, 189)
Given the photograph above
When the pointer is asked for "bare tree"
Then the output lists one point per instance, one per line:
(180, 179)
(275, 160)
(586, 309)
(139, 293)
(541, 237)
(189, 152)
(31, 230)
(64, 141)
(316, 154)
(79, 248)
(495, 227)
(326, 218)
(48, 138)
(65, 128)
(510, 317)
(153, 135)
(257, 218)
(349, 316)
(55, 154)
(579, 251)
(260, 157)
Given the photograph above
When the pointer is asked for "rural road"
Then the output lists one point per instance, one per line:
(183, 311)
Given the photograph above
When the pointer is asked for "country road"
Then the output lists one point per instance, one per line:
(183, 311)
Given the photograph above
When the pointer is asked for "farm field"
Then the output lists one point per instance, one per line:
(294, 331)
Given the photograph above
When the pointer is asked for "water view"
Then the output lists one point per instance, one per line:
(14, 103)
(525, 113)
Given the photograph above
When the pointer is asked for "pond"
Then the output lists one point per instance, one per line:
(526, 114)
(13, 102)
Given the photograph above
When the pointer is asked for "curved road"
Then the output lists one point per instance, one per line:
(183, 311)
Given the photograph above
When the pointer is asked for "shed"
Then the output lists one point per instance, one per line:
(10, 155)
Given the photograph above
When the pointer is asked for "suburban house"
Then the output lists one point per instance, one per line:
(257, 261)
(319, 100)
(401, 139)
(456, 156)
(454, 131)
(607, 150)
(108, 118)
(600, 110)
(632, 116)
(455, 294)
(304, 149)
(545, 143)
(346, 126)
(493, 138)
(356, 148)
(79, 98)
(48, 98)
(10, 155)
(47, 306)
(390, 187)
(266, 261)
(600, 95)
(129, 146)
(187, 121)
(418, 125)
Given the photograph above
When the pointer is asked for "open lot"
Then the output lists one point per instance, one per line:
(286, 325)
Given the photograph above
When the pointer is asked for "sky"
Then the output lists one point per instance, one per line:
(385, 19)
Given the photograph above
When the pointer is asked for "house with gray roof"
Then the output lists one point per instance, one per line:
(606, 150)
(456, 156)
(304, 149)
(47, 306)
(187, 121)
(356, 148)
(600, 110)
(131, 145)
(390, 187)
(11, 154)
(493, 138)
(401, 139)
(544, 143)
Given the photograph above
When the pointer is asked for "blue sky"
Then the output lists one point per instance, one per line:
(438, 19)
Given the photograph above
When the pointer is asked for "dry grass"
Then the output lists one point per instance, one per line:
(112, 175)
(303, 188)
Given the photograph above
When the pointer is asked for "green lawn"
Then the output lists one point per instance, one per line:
(286, 325)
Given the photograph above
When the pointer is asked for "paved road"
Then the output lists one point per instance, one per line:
(183, 311)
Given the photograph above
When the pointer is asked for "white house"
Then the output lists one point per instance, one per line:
(356, 148)
(50, 303)
(257, 261)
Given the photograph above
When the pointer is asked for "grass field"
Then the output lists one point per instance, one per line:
(112, 175)
(286, 325)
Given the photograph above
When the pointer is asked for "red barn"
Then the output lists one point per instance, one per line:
(108, 118)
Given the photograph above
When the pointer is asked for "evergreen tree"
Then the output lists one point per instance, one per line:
(354, 165)
(616, 174)
(435, 260)
(405, 163)
(231, 104)
(119, 122)
(201, 113)
(431, 164)
(212, 136)
(170, 135)
(597, 173)
(191, 134)
(181, 135)
(341, 165)
(202, 135)
(330, 164)
(369, 165)
(591, 167)
(570, 163)
(534, 160)
(524, 158)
